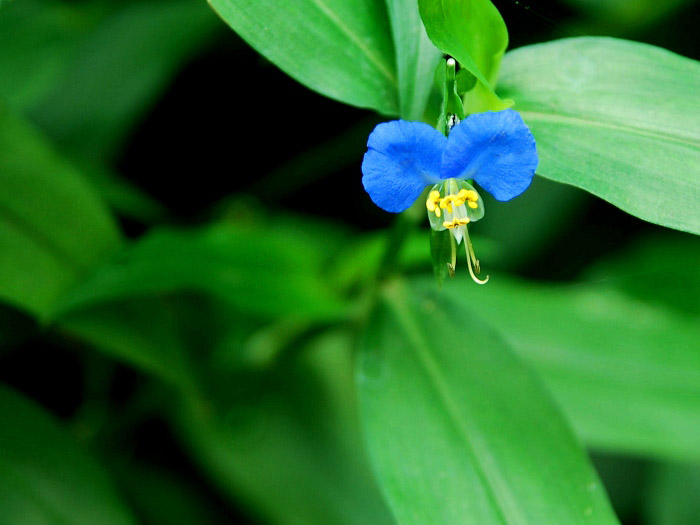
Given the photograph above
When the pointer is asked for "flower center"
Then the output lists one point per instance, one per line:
(452, 204)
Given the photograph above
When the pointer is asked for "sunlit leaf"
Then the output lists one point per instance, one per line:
(474, 33)
(627, 374)
(458, 429)
(416, 57)
(342, 49)
(618, 119)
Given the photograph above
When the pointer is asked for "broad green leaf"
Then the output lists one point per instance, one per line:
(117, 72)
(45, 476)
(340, 48)
(474, 33)
(616, 118)
(416, 57)
(627, 374)
(53, 226)
(458, 429)
(259, 270)
(286, 442)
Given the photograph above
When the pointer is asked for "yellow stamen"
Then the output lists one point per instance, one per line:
(471, 195)
(473, 205)
(433, 201)
(455, 222)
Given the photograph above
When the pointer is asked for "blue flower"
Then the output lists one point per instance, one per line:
(494, 149)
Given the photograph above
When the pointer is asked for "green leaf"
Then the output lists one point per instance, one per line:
(162, 496)
(259, 270)
(632, 15)
(53, 227)
(458, 429)
(416, 57)
(125, 197)
(117, 72)
(287, 442)
(441, 254)
(672, 497)
(474, 33)
(661, 269)
(39, 38)
(45, 477)
(627, 374)
(340, 48)
(616, 118)
(142, 332)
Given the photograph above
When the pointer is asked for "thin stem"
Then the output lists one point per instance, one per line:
(472, 260)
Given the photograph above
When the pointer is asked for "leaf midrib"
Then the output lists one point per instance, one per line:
(419, 345)
(373, 58)
(566, 119)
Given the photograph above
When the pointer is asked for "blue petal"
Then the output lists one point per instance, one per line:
(496, 149)
(402, 158)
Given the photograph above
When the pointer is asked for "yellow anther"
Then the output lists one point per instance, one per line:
(471, 195)
(455, 222)
(433, 201)
(447, 202)
(463, 194)
(473, 205)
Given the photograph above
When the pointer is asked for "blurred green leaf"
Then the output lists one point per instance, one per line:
(260, 270)
(625, 478)
(662, 269)
(142, 332)
(474, 33)
(39, 38)
(416, 57)
(630, 14)
(616, 118)
(458, 429)
(45, 477)
(342, 49)
(672, 495)
(160, 496)
(53, 227)
(286, 442)
(124, 197)
(441, 254)
(627, 374)
(118, 70)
